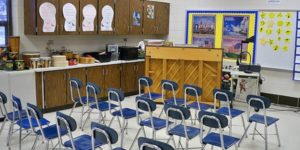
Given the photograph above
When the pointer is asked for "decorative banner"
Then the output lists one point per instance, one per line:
(48, 14)
(222, 29)
(108, 16)
(136, 18)
(69, 12)
(89, 14)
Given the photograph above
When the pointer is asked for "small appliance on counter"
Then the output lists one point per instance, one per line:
(128, 53)
(101, 56)
(113, 49)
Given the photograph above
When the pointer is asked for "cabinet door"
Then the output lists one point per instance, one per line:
(69, 17)
(101, 20)
(79, 74)
(129, 77)
(88, 26)
(96, 75)
(112, 77)
(122, 17)
(55, 89)
(140, 69)
(162, 18)
(48, 21)
(149, 17)
(136, 16)
(30, 17)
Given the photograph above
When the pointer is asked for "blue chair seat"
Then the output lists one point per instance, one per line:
(83, 142)
(11, 115)
(154, 96)
(203, 106)
(103, 106)
(179, 131)
(179, 101)
(214, 139)
(127, 112)
(157, 123)
(234, 112)
(26, 124)
(85, 100)
(50, 132)
(260, 119)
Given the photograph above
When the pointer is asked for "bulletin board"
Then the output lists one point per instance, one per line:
(222, 29)
(276, 39)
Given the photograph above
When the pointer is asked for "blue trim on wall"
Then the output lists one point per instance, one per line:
(224, 11)
(295, 54)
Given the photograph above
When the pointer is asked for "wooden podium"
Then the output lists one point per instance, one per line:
(196, 66)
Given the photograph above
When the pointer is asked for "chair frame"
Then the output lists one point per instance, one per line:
(265, 137)
(148, 87)
(197, 98)
(72, 95)
(103, 132)
(149, 146)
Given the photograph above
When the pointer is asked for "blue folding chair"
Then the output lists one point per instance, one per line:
(216, 121)
(171, 86)
(48, 133)
(196, 92)
(116, 96)
(92, 90)
(150, 144)
(181, 130)
(147, 82)
(227, 97)
(144, 104)
(260, 102)
(105, 135)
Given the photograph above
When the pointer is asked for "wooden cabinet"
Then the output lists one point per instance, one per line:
(136, 17)
(101, 4)
(79, 74)
(47, 23)
(96, 75)
(156, 17)
(83, 4)
(122, 16)
(55, 89)
(129, 76)
(68, 26)
(112, 77)
(30, 17)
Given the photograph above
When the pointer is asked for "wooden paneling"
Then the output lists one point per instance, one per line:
(79, 74)
(101, 4)
(112, 77)
(40, 20)
(55, 89)
(62, 18)
(140, 69)
(30, 17)
(128, 78)
(96, 75)
(122, 17)
(136, 8)
(148, 23)
(83, 3)
(162, 18)
(39, 89)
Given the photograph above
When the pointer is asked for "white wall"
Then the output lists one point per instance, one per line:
(277, 82)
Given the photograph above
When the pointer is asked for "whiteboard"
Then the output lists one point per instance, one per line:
(272, 51)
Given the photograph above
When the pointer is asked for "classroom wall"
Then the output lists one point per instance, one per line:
(277, 81)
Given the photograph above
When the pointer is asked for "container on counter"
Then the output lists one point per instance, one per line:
(59, 61)
(27, 56)
(13, 55)
(19, 65)
(9, 65)
(76, 57)
(69, 55)
(86, 60)
(45, 62)
(34, 63)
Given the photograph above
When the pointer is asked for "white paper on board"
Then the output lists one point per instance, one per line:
(69, 12)
(297, 68)
(108, 16)
(299, 15)
(89, 14)
(297, 59)
(47, 12)
(298, 41)
(298, 33)
(298, 24)
(297, 76)
(298, 50)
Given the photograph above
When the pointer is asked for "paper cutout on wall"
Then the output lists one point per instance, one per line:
(150, 11)
(263, 15)
(271, 42)
(89, 14)
(263, 41)
(269, 31)
(262, 23)
(108, 16)
(276, 48)
(261, 29)
(279, 15)
(285, 48)
(279, 38)
(272, 15)
(69, 12)
(287, 40)
(47, 12)
(280, 23)
(136, 18)
(270, 24)
(288, 15)
(279, 31)
(288, 24)
(288, 32)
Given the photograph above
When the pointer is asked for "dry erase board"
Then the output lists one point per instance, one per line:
(275, 41)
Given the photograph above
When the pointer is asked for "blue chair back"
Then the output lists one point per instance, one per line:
(115, 95)
(192, 90)
(212, 120)
(149, 144)
(258, 102)
(145, 81)
(223, 95)
(76, 83)
(145, 104)
(169, 85)
(104, 134)
(65, 122)
(37, 111)
(177, 112)
(3, 98)
(17, 104)
(92, 88)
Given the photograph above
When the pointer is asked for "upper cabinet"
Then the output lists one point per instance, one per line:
(69, 17)
(122, 17)
(88, 17)
(156, 17)
(106, 15)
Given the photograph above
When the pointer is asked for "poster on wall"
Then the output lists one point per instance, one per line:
(150, 11)
(69, 12)
(136, 18)
(47, 12)
(204, 29)
(108, 16)
(89, 14)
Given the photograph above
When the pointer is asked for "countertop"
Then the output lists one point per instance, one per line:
(71, 67)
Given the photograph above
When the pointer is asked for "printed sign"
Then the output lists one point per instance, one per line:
(48, 14)
(89, 14)
(69, 12)
(108, 16)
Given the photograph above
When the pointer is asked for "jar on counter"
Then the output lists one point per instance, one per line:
(45, 62)
(34, 63)
(19, 65)
(9, 65)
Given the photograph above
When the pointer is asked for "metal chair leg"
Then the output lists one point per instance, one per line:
(254, 130)
(2, 126)
(243, 121)
(73, 108)
(277, 133)
(186, 144)
(244, 135)
(20, 138)
(122, 132)
(9, 134)
(89, 114)
(137, 134)
(144, 132)
(266, 137)
(112, 119)
(81, 117)
(174, 142)
(47, 145)
(119, 121)
(34, 144)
